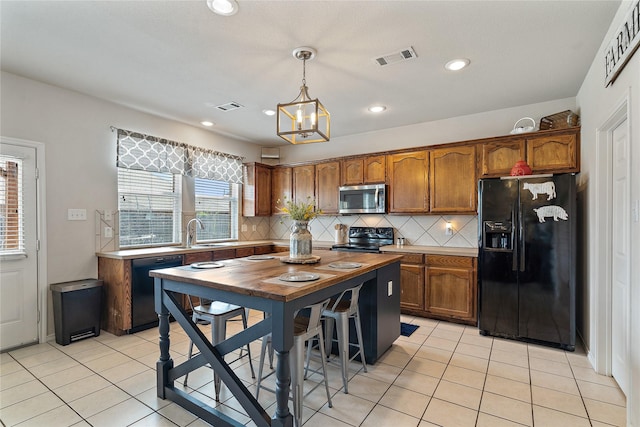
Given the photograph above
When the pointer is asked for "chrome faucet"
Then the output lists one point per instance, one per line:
(190, 235)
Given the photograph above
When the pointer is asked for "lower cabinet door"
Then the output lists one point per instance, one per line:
(450, 292)
(412, 287)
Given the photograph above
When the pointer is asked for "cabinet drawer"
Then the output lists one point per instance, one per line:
(449, 261)
(224, 254)
(412, 259)
(261, 250)
(242, 252)
(197, 257)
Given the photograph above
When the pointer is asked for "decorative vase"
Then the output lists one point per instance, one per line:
(300, 240)
(520, 168)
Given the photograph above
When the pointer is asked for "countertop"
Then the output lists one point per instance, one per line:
(317, 244)
(431, 250)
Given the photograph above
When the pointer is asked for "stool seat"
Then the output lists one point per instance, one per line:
(340, 309)
(306, 329)
(217, 313)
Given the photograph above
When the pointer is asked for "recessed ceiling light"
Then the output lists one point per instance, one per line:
(269, 112)
(206, 123)
(223, 7)
(457, 64)
(377, 108)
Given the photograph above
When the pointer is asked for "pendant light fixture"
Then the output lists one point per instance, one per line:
(303, 120)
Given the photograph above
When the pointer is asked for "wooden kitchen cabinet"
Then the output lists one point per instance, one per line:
(364, 170)
(452, 180)
(412, 283)
(451, 288)
(352, 171)
(303, 182)
(408, 177)
(497, 157)
(553, 153)
(327, 181)
(256, 190)
(280, 188)
(375, 169)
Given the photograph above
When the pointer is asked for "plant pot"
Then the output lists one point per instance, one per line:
(520, 168)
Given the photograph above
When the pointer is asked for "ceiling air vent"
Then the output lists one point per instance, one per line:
(229, 106)
(395, 57)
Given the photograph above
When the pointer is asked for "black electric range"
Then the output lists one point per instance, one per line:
(366, 239)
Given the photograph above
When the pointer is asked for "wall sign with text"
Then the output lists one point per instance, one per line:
(623, 45)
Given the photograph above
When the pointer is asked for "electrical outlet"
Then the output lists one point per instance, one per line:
(390, 288)
(253, 228)
(243, 228)
(76, 214)
(107, 215)
(108, 232)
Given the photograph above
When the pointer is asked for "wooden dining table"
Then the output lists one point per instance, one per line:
(255, 282)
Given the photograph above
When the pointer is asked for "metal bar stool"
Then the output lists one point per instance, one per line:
(305, 329)
(217, 313)
(340, 310)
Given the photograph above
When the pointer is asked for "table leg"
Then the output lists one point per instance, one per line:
(165, 363)
(282, 417)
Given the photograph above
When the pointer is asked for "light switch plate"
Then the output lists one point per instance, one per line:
(76, 214)
(107, 215)
(108, 232)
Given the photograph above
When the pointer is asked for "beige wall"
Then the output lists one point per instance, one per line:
(80, 152)
(596, 104)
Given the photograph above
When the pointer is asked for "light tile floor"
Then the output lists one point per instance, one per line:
(442, 375)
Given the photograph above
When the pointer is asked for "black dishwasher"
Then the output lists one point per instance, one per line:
(143, 311)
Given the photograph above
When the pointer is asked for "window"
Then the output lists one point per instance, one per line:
(150, 171)
(150, 207)
(11, 207)
(217, 208)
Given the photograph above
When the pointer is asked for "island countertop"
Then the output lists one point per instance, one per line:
(260, 277)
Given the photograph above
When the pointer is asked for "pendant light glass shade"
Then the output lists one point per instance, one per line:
(303, 120)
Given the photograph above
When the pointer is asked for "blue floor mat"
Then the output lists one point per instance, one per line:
(407, 329)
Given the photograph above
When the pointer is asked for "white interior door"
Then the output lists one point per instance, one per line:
(19, 309)
(620, 244)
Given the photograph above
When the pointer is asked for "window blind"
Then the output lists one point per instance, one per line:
(11, 206)
(149, 205)
(217, 208)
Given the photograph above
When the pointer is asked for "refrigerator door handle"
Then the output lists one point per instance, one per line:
(522, 239)
(514, 251)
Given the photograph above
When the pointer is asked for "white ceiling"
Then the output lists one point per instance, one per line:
(177, 59)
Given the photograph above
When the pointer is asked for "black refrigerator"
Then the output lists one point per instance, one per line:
(527, 258)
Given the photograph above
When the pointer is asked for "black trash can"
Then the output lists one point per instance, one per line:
(76, 309)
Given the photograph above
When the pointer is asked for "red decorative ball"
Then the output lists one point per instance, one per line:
(520, 168)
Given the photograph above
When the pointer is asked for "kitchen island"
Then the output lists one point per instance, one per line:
(254, 284)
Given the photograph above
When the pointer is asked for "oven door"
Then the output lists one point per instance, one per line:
(362, 199)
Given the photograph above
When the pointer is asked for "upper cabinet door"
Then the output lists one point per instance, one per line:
(375, 169)
(408, 176)
(280, 188)
(352, 171)
(256, 190)
(303, 181)
(498, 157)
(554, 153)
(452, 183)
(327, 183)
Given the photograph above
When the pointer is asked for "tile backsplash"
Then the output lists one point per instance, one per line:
(424, 230)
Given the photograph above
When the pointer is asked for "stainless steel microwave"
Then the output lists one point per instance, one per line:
(359, 199)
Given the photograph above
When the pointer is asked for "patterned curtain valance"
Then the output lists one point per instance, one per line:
(215, 165)
(148, 153)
